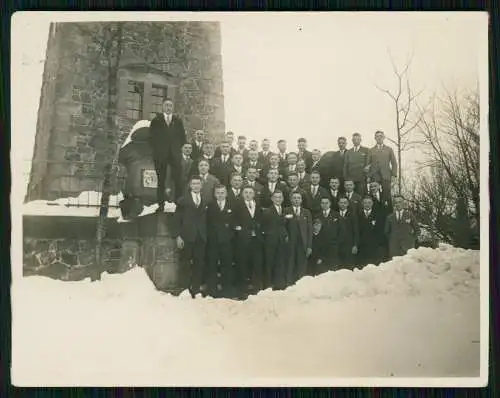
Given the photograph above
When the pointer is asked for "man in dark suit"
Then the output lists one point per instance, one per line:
(228, 138)
(329, 226)
(207, 154)
(253, 146)
(300, 239)
(241, 148)
(235, 191)
(250, 180)
(318, 260)
(275, 243)
(190, 232)
(291, 165)
(293, 186)
(314, 193)
(371, 234)
(265, 153)
(272, 185)
(353, 197)
(167, 136)
(336, 163)
(220, 225)
(248, 221)
(304, 154)
(304, 176)
(316, 157)
(273, 164)
(197, 144)
(354, 164)
(382, 203)
(186, 163)
(348, 235)
(401, 229)
(222, 165)
(381, 164)
(282, 154)
(208, 181)
(335, 192)
(237, 167)
(253, 161)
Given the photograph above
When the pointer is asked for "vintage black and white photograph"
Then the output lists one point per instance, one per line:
(249, 199)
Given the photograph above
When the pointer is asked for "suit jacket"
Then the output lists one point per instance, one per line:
(285, 171)
(404, 230)
(337, 164)
(190, 221)
(305, 181)
(313, 203)
(354, 202)
(265, 196)
(299, 228)
(233, 170)
(220, 223)
(167, 140)
(259, 166)
(258, 187)
(263, 174)
(249, 226)
(382, 163)
(218, 152)
(186, 166)
(274, 225)
(196, 152)
(321, 248)
(264, 159)
(382, 205)
(232, 198)
(354, 164)
(283, 162)
(222, 170)
(348, 230)
(306, 156)
(371, 229)
(244, 153)
(194, 166)
(330, 226)
(208, 187)
(335, 199)
(288, 196)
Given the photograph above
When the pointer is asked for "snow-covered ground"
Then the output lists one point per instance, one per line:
(415, 316)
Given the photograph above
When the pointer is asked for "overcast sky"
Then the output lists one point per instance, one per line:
(295, 74)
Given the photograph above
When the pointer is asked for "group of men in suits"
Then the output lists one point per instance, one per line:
(248, 220)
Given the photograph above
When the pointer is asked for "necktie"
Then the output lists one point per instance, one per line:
(325, 213)
(399, 216)
(314, 190)
(279, 210)
(297, 211)
(197, 200)
(237, 192)
(367, 214)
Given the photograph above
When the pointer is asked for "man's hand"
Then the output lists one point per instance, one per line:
(180, 243)
(320, 261)
(308, 252)
(354, 250)
(237, 228)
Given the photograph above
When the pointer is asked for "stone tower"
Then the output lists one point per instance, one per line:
(120, 71)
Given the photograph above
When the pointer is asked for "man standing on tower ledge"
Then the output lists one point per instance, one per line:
(167, 136)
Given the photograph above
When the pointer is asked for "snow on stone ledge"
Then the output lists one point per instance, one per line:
(169, 208)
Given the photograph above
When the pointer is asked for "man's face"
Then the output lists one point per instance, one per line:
(356, 140)
(225, 148)
(277, 198)
(301, 166)
(296, 199)
(325, 204)
(316, 155)
(349, 186)
(168, 107)
(265, 145)
(230, 137)
(251, 174)
(374, 188)
(241, 143)
(315, 179)
(292, 159)
(301, 145)
(379, 137)
(398, 203)
(199, 135)
(282, 146)
(343, 204)
(293, 181)
(316, 227)
(208, 149)
(273, 175)
(367, 204)
(187, 149)
(237, 160)
(203, 167)
(334, 184)
(220, 194)
(341, 144)
(253, 155)
(248, 194)
(195, 186)
(254, 146)
(274, 160)
(236, 182)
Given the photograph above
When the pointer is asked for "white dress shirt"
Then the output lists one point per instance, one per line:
(221, 204)
(272, 186)
(251, 207)
(168, 118)
(296, 210)
(196, 198)
(278, 209)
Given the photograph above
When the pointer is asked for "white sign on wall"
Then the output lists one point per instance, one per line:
(149, 179)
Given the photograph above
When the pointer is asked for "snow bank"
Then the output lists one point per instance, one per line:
(415, 316)
(85, 205)
(169, 208)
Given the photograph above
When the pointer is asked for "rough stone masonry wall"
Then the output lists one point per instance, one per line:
(79, 144)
